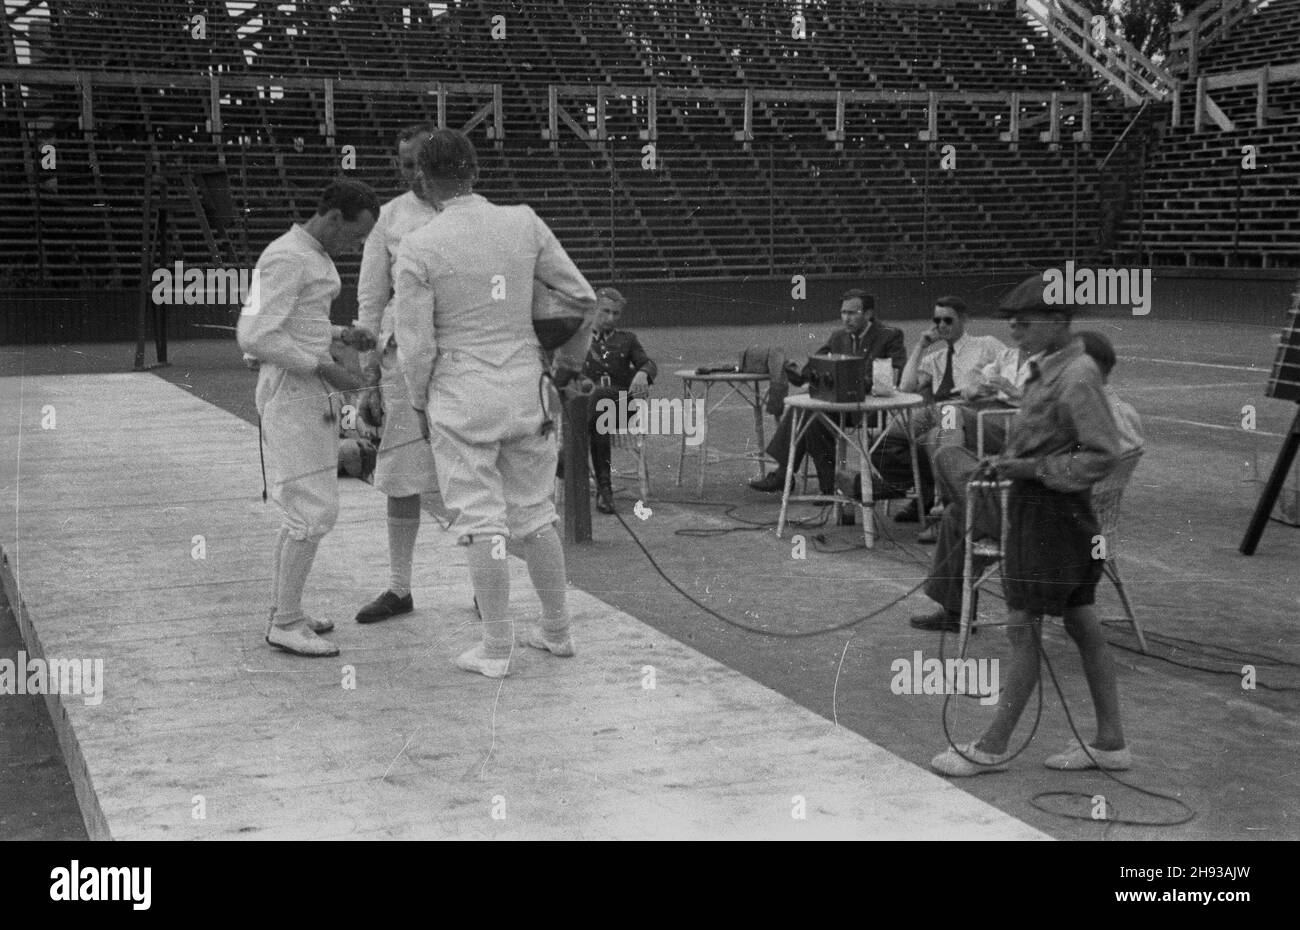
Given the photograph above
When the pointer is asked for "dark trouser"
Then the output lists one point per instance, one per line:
(598, 442)
(817, 441)
(944, 584)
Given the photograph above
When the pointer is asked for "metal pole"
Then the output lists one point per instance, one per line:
(771, 208)
(612, 173)
(146, 258)
(1074, 204)
(1236, 220)
(925, 211)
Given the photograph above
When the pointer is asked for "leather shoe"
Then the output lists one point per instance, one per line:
(605, 500)
(772, 481)
(385, 606)
(938, 622)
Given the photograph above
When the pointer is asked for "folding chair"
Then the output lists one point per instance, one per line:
(634, 442)
(1106, 497)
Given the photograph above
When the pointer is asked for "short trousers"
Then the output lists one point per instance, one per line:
(493, 464)
(405, 463)
(300, 439)
(1051, 538)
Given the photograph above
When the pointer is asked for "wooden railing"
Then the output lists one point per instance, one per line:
(1109, 54)
(1208, 23)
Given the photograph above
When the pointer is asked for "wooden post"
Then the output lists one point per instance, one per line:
(87, 103)
(214, 117)
(328, 128)
(652, 115)
(552, 133)
(577, 498)
(1274, 487)
(1261, 99)
(498, 116)
(1198, 120)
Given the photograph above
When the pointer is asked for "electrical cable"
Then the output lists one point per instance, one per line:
(804, 634)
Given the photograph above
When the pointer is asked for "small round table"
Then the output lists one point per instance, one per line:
(806, 410)
(747, 385)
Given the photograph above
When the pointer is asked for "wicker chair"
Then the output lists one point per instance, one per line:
(1106, 497)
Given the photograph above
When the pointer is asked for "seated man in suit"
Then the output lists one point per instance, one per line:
(861, 336)
(615, 362)
(955, 364)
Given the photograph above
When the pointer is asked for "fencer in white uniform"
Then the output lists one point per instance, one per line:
(404, 469)
(285, 324)
(468, 351)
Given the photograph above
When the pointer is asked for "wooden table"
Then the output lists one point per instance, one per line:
(747, 385)
(806, 410)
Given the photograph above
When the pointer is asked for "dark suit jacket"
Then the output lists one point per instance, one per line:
(879, 341)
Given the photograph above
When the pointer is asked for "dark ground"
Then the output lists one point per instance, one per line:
(1228, 753)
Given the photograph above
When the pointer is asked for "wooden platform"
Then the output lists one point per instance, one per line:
(199, 716)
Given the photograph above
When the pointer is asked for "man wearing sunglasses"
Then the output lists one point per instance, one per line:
(941, 376)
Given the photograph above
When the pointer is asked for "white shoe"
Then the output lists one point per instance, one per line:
(964, 761)
(300, 640)
(1076, 757)
(535, 636)
(473, 660)
(316, 626)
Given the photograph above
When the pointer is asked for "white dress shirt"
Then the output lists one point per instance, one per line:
(970, 355)
(1009, 367)
(285, 320)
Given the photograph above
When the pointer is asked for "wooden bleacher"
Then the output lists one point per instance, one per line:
(1200, 207)
(769, 195)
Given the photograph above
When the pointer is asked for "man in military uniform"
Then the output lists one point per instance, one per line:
(616, 362)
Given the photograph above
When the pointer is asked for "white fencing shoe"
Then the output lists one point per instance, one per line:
(535, 636)
(473, 660)
(299, 639)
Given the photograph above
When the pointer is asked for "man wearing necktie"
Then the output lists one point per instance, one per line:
(941, 376)
(862, 335)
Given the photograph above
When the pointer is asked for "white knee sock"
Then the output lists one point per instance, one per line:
(401, 551)
(492, 589)
(545, 556)
(277, 550)
(296, 557)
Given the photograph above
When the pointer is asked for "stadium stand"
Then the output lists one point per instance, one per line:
(779, 146)
(1201, 205)
(766, 193)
